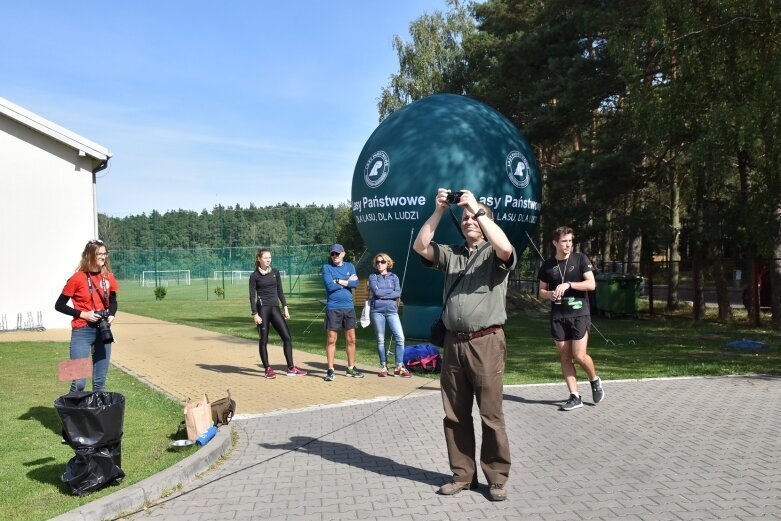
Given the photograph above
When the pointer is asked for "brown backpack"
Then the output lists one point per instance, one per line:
(223, 410)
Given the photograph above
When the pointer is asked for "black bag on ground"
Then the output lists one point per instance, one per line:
(92, 424)
(94, 468)
(91, 419)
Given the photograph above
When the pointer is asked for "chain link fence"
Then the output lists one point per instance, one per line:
(209, 273)
(223, 273)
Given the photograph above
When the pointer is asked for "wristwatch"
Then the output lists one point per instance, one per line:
(479, 213)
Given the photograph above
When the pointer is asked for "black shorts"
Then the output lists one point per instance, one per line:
(336, 319)
(570, 328)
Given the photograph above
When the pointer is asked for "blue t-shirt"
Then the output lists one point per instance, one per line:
(339, 297)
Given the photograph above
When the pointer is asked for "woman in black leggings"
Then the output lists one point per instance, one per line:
(269, 308)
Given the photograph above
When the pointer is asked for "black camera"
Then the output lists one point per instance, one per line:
(453, 197)
(103, 327)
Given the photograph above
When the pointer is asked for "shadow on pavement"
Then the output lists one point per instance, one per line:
(233, 369)
(349, 455)
(521, 399)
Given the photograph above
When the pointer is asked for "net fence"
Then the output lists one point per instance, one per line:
(197, 273)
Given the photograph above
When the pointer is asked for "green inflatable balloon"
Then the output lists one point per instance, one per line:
(446, 141)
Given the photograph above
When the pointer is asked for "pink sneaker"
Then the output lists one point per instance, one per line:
(383, 372)
(397, 371)
(295, 371)
(404, 373)
(270, 374)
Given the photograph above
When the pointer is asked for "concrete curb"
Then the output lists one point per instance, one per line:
(134, 497)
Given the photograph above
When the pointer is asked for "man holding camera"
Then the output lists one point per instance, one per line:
(474, 348)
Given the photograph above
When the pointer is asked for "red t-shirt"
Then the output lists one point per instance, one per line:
(77, 289)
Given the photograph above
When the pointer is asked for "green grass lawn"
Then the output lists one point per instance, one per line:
(637, 348)
(33, 459)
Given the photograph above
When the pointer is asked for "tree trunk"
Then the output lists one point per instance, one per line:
(607, 250)
(774, 266)
(673, 274)
(746, 259)
(721, 277)
(773, 167)
(633, 252)
(698, 304)
(698, 236)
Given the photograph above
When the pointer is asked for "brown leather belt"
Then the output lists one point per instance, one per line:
(477, 334)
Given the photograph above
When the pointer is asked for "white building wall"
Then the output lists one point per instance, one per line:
(47, 215)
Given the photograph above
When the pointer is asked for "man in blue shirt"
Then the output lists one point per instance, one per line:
(339, 278)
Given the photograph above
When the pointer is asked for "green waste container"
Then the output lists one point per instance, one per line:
(618, 293)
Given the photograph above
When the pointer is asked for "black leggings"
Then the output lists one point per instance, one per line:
(272, 315)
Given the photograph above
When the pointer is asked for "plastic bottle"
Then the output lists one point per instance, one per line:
(204, 438)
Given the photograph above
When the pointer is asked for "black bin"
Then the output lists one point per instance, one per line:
(92, 424)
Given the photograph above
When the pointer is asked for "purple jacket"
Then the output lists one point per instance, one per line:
(384, 292)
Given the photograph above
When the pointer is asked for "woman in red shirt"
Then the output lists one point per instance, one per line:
(92, 291)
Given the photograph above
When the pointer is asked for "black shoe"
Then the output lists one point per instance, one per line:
(574, 402)
(597, 392)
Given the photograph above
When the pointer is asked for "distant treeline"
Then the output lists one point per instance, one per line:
(232, 227)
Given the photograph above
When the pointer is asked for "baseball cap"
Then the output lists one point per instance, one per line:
(338, 248)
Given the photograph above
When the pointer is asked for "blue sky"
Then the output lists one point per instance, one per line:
(206, 103)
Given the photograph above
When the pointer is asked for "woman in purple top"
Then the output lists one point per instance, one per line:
(384, 292)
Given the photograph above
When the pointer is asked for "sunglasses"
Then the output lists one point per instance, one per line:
(335, 253)
(96, 241)
(380, 261)
(101, 254)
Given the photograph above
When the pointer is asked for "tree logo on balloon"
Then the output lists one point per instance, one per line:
(376, 169)
(518, 169)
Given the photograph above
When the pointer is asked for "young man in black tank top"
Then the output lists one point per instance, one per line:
(565, 280)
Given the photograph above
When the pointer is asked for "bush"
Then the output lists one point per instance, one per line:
(219, 292)
(160, 293)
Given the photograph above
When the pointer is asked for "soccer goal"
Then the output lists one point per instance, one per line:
(237, 276)
(152, 278)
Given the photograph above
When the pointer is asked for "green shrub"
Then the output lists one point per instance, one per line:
(160, 293)
(220, 292)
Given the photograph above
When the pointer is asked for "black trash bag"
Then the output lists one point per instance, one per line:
(92, 424)
(94, 468)
(91, 419)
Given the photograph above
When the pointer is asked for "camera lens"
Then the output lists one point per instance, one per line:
(453, 197)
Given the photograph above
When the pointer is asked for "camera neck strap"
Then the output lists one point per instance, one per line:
(103, 297)
(456, 222)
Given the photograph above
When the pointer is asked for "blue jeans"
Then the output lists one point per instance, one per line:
(85, 343)
(394, 323)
